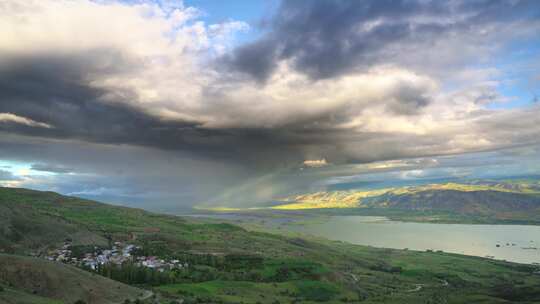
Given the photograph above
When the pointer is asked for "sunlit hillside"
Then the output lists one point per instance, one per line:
(358, 198)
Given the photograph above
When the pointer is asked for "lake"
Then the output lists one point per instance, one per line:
(517, 243)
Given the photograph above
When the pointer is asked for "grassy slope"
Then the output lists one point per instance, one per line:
(14, 296)
(313, 269)
(41, 281)
(27, 221)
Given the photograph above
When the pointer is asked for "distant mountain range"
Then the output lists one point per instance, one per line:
(479, 200)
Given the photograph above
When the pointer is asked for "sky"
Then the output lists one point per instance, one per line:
(168, 104)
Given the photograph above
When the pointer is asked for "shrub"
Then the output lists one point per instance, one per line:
(316, 291)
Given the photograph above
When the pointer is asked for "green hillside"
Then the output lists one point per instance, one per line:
(229, 264)
(31, 220)
(14, 296)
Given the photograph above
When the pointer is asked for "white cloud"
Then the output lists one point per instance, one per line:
(315, 163)
(8, 117)
(292, 97)
(165, 45)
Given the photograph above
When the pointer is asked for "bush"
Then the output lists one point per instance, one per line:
(316, 291)
(386, 268)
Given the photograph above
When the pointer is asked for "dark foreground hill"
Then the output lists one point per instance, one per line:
(33, 280)
(228, 264)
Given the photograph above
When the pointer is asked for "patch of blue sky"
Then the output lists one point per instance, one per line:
(216, 12)
(520, 80)
(249, 11)
(20, 169)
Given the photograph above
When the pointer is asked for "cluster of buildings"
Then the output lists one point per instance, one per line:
(62, 254)
(119, 254)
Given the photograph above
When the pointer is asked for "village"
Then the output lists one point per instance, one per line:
(119, 254)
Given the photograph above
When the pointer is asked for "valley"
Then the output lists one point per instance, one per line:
(229, 263)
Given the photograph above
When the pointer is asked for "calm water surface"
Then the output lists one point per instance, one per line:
(517, 243)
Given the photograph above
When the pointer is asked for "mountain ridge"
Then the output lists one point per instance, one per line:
(489, 201)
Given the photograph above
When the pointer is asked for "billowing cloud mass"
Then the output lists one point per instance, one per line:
(347, 82)
(325, 39)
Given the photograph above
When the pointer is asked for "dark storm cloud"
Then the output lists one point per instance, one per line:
(328, 38)
(122, 173)
(57, 90)
(51, 168)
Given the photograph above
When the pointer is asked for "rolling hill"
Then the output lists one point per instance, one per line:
(229, 264)
(30, 220)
